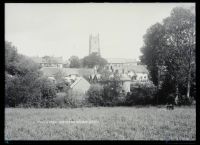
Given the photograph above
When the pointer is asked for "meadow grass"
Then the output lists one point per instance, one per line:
(111, 123)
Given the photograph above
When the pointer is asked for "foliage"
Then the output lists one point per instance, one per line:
(16, 64)
(171, 45)
(61, 84)
(93, 60)
(27, 92)
(95, 94)
(152, 50)
(74, 62)
(60, 99)
(70, 99)
(112, 91)
(105, 74)
(11, 58)
(24, 84)
(73, 100)
(48, 93)
(142, 94)
(107, 93)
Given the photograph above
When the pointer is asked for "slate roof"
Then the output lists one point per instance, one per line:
(76, 82)
(138, 69)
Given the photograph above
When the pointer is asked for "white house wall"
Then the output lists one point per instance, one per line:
(141, 76)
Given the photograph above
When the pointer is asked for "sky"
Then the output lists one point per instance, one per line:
(63, 29)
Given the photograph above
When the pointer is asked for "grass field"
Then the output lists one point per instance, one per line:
(117, 123)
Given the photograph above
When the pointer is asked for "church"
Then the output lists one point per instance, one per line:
(123, 66)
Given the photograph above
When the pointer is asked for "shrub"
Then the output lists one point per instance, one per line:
(24, 84)
(183, 100)
(62, 86)
(60, 99)
(74, 99)
(27, 92)
(112, 91)
(108, 94)
(141, 94)
(48, 93)
(14, 92)
(95, 95)
(71, 99)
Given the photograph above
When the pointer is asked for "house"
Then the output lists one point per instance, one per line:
(124, 80)
(49, 61)
(138, 73)
(67, 73)
(129, 66)
(73, 76)
(129, 76)
(120, 64)
(79, 87)
(126, 83)
(77, 90)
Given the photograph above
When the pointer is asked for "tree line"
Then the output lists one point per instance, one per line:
(87, 62)
(25, 85)
(169, 52)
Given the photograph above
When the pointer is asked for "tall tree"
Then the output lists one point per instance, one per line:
(24, 84)
(153, 50)
(74, 62)
(93, 60)
(180, 45)
(172, 45)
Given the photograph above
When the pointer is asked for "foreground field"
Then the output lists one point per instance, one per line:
(118, 123)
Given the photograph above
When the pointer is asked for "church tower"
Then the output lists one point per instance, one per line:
(94, 46)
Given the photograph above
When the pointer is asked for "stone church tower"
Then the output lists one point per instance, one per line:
(94, 46)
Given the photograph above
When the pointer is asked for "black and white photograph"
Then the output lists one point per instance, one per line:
(100, 71)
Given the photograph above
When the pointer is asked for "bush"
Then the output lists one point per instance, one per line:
(24, 84)
(75, 99)
(141, 94)
(48, 93)
(14, 92)
(60, 99)
(183, 100)
(71, 99)
(62, 86)
(171, 98)
(95, 95)
(112, 94)
(108, 94)
(28, 92)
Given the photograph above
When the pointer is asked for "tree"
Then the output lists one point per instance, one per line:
(47, 59)
(24, 83)
(171, 46)
(180, 45)
(153, 51)
(11, 58)
(74, 62)
(93, 60)
(95, 95)
(112, 91)
(61, 84)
